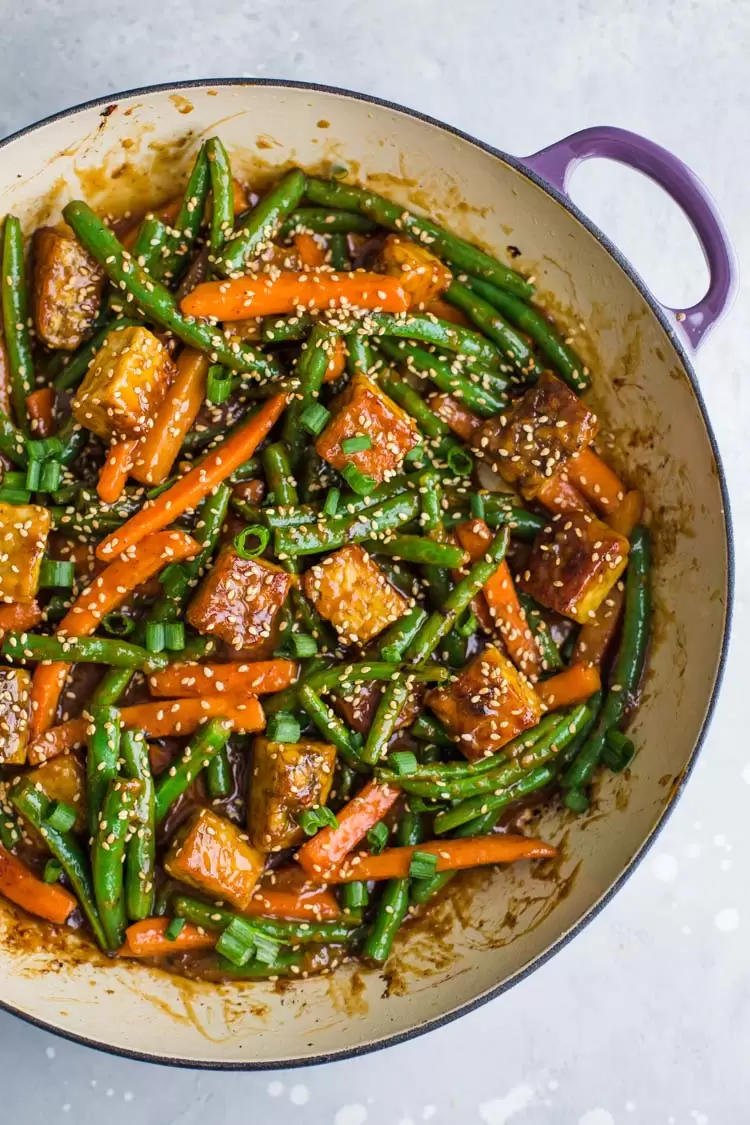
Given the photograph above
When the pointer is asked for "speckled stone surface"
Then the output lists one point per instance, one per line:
(645, 1017)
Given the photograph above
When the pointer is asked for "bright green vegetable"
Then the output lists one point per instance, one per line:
(15, 306)
(205, 744)
(140, 862)
(510, 343)
(262, 225)
(101, 760)
(442, 373)
(108, 855)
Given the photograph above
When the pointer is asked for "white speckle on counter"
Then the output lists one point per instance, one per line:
(66, 1108)
(299, 1095)
(50, 1052)
(428, 1112)
(698, 1118)
(727, 919)
(275, 1088)
(693, 851)
(665, 868)
(553, 1084)
(128, 1096)
(596, 1117)
(746, 774)
(630, 1107)
(351, 1115)
(500, 1110)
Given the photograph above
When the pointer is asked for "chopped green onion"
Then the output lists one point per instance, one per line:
(14, 480)
(174, 636)
(52, 871)
(402, 762)
(51, 476)
(118, 624)
(16, 496)
(33, 475)
(459, 461)
(61, 817)
(477, 505)
(156, 639)
(57, 572)
(377, 837)
(218, 384)
(43, 449)
(357, 444)
(466, 623)
(255, 531)
(283, 727)
(391, 654)
(174, 580)
(235, 948)
(361, 483)
(303, 644)
(174, 929)
(311, 820)
(332, 501)
(415, 454)
(314, 418)
(423, 865)
(266, 949)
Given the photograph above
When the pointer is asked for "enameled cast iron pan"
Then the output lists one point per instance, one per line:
(140, 145)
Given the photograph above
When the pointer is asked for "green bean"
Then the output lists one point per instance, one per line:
(550, 653)
(511, 344)
(430, 729)
(422, 890)
(340, 530)
(394, 901)
(219, 776)
(108, 856)
(344, 677)
(311, 369)
(284, 329)
(431, 502)
(393, 643)
(188, 222)
(150, 243)
(101, 760)
(454, 250)
(339, 245)
(209, 522)
(330, 726)
(499, 508)
(354, 897)
(156, 301)
(213, 918)
(204, 745)
(83, 650)
(111, 687)
(279, 477)
(430, 424)
(443, 375)
(311, 621)
(296, 515)
(536, 325)
(262, 224)
(222, 195)
(15, 306)
(628, 669)
(10, 832)
(323, 220)
(74, 371)
(12, 442)
(140, 863)
(34, 806)
(416, 549)
(285, 965)
(360, 357)
(429, 330)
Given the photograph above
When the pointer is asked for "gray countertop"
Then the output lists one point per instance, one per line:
(645, 1017)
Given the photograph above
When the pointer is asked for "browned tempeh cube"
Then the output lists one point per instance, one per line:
(64, 779)
(67, 290)
(24, 529)
(363, 409)
(15, 691)
(212, 855)
(423, 276)
(286, 778)
(239, 599)
(351, 591)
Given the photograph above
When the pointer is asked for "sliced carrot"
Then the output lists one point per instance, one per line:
(452, 855)
(502, 602)
(329, 846)
(157, 452)
(167, 718)
(337, 363)
(443, 311)
(17, 618)
(628, 514)
(251, 491)
(258, 678)
(596, 635)
(115, 471)
(199, 482)
(40, 407)
(461, 420)
(46, 900)
(575, 685)
(267, 295)
(559, 495)
(105, 594)
(149, 939)
(319, 905)
(310, 253)
(595, 480)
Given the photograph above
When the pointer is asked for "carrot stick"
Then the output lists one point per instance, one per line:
(319, 905)
(476, 851)
(46, 900)
(259, 678)
(158, 450)
(443, 311)
(266, 295)
(595, 480)
(559, 495)
(502, 602)
(115, 471)
(105, 594)
(40, 407)
(337, 362)
(193, 486)
(310, 253)
(462, 421)
(575, 685)
(596, 635)
(329, 846)
(628, 514)
(167, 718)
(149, 939)
(17, 618)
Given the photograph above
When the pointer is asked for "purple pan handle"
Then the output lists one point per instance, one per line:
(555, 163)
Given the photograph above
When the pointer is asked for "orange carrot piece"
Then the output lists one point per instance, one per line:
(115, 471)
(452, 855)
(329, 846)
(40, 407)
(149, 939)
(105, 594)
(167, 718)
(46, 900)
(443, 311)
(17, 618)
(265, 295)
(310, 253)
(199, 482)
(159, 449)
(318, 906)
(257, 678)
(559, 495)
(628, 514)
(461, 420)
(596, 480)
(596, 635)
(337, 363)
(575, 685)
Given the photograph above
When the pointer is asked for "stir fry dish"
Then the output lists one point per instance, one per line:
(313, 586)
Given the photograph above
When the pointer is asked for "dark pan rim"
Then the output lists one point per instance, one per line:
(678, 345)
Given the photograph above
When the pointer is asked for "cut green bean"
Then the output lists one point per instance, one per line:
(108, 857)
(15, 307)
(205, 744)
(101, 760)
(140, 861)
(548, 650)
(510, 343)
(429, 329)
(216, 919)
(188, 222)
(339, 244)
(444, 376)
(222, 195)
(262, 225)
(394, 902)
(311, 370)
(323, 220)
(337, 532)
(83, 650)
(417, 549)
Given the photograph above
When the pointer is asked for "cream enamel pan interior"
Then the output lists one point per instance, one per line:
(143, 143)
